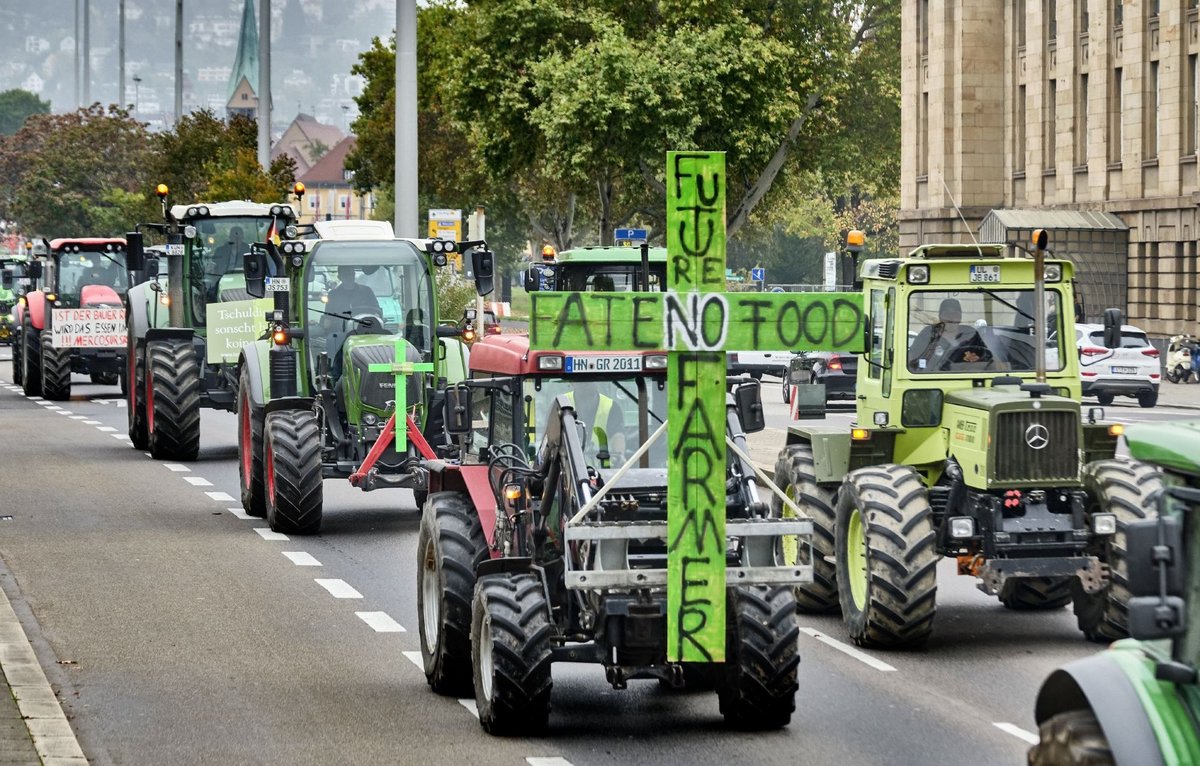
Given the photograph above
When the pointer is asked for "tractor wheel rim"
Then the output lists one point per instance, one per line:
(485, 658)
(791, 543)
(246, 445)
(431, 596)
(856, 558)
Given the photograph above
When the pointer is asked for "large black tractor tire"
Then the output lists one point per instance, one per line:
(796, 476)
(1036, 593)
(251, 422)
(173, 400)
(887, 557)
(1073, 738)
(292, 463)
(510, 654)
(135, 409)
(1128, 489)
(757, 689)
(449, 547)
(16, 360)
(56, 371)
(31, 359)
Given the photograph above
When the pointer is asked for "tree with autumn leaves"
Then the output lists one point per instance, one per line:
(92, 172)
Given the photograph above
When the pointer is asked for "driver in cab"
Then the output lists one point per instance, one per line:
(946, 343)
(349, 298)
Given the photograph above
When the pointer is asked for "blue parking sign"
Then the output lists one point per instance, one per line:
(758, 275)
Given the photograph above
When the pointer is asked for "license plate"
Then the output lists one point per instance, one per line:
(1124, 370)
(614, 363)
(278, 285)
(988, 274)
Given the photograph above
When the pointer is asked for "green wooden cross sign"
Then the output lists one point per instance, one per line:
(400, 369)
(696, 320)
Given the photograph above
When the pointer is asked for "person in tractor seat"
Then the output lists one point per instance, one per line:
(605, 436)
(346, 300)
(947, 342)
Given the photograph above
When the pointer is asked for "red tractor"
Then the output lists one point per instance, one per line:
(544, 540)
(75, 321)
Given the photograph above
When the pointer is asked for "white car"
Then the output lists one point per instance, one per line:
(1131, 370)
(758, 363)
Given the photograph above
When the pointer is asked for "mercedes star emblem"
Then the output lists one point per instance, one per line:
(1037, 436)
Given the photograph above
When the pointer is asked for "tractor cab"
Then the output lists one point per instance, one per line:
(599, 269)
(85, 272)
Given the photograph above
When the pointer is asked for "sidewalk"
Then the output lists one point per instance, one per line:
(1183, 395)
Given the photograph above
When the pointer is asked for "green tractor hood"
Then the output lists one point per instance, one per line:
(1174, 446)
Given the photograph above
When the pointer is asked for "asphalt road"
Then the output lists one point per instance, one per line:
(178, 631)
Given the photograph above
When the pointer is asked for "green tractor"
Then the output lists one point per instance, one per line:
(1139, 701)
(312, 403)
(970, 443)
(599, 269)
(185, 332)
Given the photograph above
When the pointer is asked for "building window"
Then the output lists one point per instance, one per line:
(1083, 16)
(1189, 106)
(1081, 121)
(1150, 135)
(923, 22)
(1118, 13)
(1019, 22)
(923, 137)
(245, 96)
(1020, 148)
(1049, 111)
(1051, 21)
(1152, 8)
(1114, 115)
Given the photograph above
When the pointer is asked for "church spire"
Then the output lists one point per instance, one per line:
(245, 65)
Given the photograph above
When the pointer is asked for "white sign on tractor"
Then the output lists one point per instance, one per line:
(88, 328)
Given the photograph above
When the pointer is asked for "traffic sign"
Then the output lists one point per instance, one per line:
(758, 275)
(630, 237)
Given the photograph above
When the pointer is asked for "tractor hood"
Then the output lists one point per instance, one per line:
(1008, 398)
(1174, 446)
(375, 392)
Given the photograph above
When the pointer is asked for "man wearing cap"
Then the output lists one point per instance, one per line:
(946, 342)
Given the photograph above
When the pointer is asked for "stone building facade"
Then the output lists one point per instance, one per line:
(1086, 105)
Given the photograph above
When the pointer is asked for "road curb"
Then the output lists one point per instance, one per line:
(53, 738)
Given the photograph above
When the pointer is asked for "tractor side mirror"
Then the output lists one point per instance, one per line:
(1155, 549)
(747, 398)
(531, 279)
(458, 410)
(6, 279)
(150, 267)
(34, 269)
(799, 371)
(483, 265)
(1112, 328)
(135, 254)
(254, 265)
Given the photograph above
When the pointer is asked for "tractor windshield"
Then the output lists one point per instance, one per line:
(350, 281)
(618, 414)
(607, 279)
(217, 250)
(978, 330)
(78, 269)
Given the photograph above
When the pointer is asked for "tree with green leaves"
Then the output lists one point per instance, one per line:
(18, 105)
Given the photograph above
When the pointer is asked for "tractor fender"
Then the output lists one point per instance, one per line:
(288, 403)
(35, 303)
(515, 564)
(136, 321)
(169, 333)
(18, 314)
(252, 364)
(1102, 683)
(479, 487)
(831, 450)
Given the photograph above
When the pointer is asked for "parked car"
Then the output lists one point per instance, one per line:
(1179, 360)
(1132, 370)
(836, 370)
(758, 363)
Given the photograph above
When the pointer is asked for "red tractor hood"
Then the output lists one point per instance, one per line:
(96, 295)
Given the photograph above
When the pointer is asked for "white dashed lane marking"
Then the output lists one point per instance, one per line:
(197, 481)
(415, 658)
(381, 622)
(848, 650)
(547, 760)
(469, 704)
(269, 535)
(1017, 732)
(105, 429)
(121, 436)
(338, 588)
(302, 559)
(95, 423)
(62, 412)
(240, 514)
(220, 497)
(79, 417)
(52, 407)
(177, 468)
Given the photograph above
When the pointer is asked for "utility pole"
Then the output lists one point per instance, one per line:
(264, 84)
(407, 212)
(178, 61)
(78, 45)
(121, 54)
(87, 52)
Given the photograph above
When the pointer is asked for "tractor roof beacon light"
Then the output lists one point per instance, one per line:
(298, 189)
(548, 253)
(856, 240)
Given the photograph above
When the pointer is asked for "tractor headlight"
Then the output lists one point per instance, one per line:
(439, 259)
(291, 231)
(880, 419)
(369, 419)
(550, 362)
(656, 362)
(918, 274)
(1104, 523)
(962, 527)
(1052, 272)
(202, 210)
(189, 232)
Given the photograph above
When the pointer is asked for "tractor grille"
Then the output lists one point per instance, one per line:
(378, 388)
(1016, 460)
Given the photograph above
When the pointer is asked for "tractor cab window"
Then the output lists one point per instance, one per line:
(615, 415)
(612, 279)
(367, 288)
(979, 330)
(216, 259)
(77, 270)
